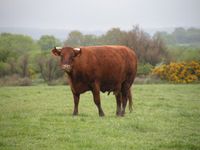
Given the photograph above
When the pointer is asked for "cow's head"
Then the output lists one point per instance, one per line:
(67, 56)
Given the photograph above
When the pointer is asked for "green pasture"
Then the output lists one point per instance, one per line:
(165, 117)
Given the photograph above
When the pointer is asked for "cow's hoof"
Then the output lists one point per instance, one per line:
(75, 114)
(101, 114)
(122, 114)
(118, 113)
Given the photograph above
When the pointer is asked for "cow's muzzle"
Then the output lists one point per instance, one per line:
(66, 68)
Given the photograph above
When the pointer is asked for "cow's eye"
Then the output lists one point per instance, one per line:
(72, 55)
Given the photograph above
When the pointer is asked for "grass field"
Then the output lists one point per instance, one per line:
(39, 117)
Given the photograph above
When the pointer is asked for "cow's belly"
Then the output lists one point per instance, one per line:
(106, 85)
(79, 88)
(110, 86)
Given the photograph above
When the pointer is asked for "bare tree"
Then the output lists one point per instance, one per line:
(48, 68)
(148, 49)
(23, 65)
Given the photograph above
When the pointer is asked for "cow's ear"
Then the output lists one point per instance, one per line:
(56, 51)
(77, 51)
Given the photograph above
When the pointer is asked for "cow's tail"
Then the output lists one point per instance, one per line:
(130, 100)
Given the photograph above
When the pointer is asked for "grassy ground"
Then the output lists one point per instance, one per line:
(39, 117)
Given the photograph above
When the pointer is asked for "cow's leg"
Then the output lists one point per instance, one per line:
(118, 97)
(125, 92)
(124, 102)
(130, 100)
(96, 96)
(76, 102)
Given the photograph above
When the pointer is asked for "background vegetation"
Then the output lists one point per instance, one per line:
(25, 61)
(179, 72)
(181, 36)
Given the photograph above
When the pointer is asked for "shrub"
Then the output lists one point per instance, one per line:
(148, 80)
(24, 81)
(60, 81)
(144, 69)
(184, 72)
(15, 80)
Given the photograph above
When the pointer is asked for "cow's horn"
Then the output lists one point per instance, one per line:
(77, 49)
(58, 48)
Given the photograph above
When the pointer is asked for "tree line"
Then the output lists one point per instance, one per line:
(148, 49)
(27, 58)
(180, 36)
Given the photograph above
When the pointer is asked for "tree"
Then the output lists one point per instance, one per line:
(89, 39)
(12, 62)
(167, 38)
(4, 69)
(179, 35)
(48, 67)
(75, 38)
(13, 45)
(4, 55)
(23, 65)
(47, 42)
(114, 37)
(148, 50)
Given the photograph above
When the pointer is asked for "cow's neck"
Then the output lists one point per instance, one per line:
(76, 76)
(78, 83)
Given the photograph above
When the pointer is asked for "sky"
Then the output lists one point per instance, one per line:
(99, 14)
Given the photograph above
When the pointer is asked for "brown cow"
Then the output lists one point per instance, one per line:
(100, 68)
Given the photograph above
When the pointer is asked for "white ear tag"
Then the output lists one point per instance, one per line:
(77, 49)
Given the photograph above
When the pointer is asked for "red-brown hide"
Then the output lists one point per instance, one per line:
(100, 68)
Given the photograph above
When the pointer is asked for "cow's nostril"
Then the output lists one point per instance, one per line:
(66, 68)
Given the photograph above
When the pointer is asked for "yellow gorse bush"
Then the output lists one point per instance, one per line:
(183, 72)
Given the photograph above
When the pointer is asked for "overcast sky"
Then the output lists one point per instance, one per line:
(99, 14)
